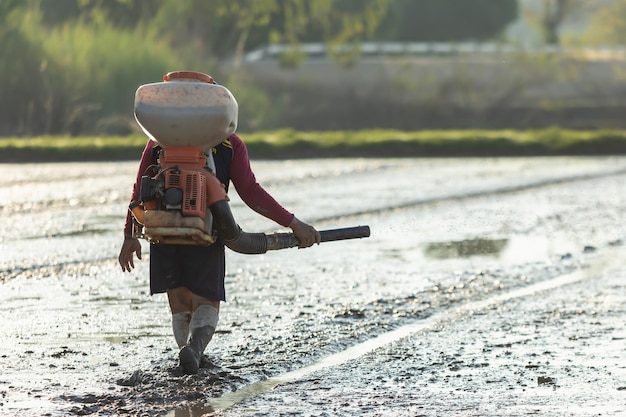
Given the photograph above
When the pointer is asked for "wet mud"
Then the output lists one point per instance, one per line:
(560, 353)
(79, 337)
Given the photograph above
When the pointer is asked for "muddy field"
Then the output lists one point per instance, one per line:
(488, 287)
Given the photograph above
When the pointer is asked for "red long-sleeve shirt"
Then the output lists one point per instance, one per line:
(240, 174)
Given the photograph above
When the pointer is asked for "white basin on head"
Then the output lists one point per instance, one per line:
(186, 112)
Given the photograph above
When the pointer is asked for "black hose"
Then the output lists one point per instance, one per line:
(231, 234)
(257, 243)
(288, 240)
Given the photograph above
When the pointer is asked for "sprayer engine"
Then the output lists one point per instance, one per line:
(174, 202)
(181, 184)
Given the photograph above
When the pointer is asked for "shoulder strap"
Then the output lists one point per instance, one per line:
(156, 151)
(222, 156)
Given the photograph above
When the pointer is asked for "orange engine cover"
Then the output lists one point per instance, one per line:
(193, 185)
(185, 157)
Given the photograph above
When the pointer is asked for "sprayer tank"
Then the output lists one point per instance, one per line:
(186, 112)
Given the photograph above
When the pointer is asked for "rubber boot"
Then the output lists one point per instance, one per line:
(191, 354)
(180, 327)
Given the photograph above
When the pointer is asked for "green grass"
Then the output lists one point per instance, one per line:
(393, 143)
(66, 148)
(367, 143)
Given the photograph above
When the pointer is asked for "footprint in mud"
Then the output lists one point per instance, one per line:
(155, 391)
(160, 389)
(132, 380)
(546, 380)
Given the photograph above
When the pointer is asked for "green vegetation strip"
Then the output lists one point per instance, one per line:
(367, 143)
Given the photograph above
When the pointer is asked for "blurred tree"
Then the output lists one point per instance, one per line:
(120, 13)
(23, 92)
(554, 12)
(210, 30)
(6, 7)
(446, 20)
(337, 23)
(73, 76)
(228, 28)
(248, 16)
(551, 16)
(607, 24)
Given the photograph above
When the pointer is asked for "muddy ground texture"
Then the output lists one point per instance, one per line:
(79, 337)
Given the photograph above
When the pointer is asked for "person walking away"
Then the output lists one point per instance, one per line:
(193, 276)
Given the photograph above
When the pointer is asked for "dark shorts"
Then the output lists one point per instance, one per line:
(200, 269)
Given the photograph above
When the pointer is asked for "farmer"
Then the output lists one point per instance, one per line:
(193, 276)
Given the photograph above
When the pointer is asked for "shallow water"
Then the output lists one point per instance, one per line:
(80, 337)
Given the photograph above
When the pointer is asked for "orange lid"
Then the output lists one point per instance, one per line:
(175, 75)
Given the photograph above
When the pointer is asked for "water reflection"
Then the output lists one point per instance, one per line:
(465, 248)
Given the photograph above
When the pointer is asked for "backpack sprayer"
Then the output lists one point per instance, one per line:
(187, 115)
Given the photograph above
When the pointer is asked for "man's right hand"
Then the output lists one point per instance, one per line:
(306, 234)
(130, 246)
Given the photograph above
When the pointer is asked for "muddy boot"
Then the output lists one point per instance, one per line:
(191, 354)
(201, 328)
